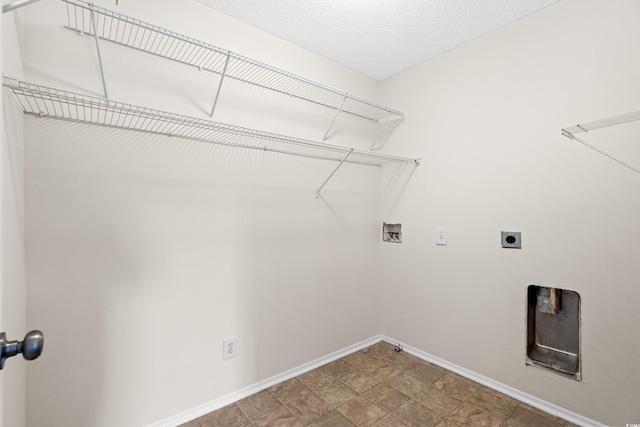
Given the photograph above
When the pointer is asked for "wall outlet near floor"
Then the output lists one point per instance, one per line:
(230, 349)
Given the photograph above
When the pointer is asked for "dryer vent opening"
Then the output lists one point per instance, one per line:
(553, 330)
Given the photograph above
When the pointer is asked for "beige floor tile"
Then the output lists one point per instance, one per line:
(383, 369)
(491, 401)
(338, 369)
(193, 423)
(469, 415)
(316, 379)
(289, 390)
(361, 412)
(385, 397)
(386, 351)
(426, 372)
(438, 401)
(332, 419)
(280, 417)
(336, 393)
(308, 408)
(407, 385)
(405, 360)
(546, 414)
(360, 381)
(381, 350)
(258, 404)
(229, 416)
(456, 386)
(448, 423)
(414, 414)
(359, 360)
(523, 417)
(388, 421)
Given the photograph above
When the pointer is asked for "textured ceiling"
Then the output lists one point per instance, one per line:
(379, 38)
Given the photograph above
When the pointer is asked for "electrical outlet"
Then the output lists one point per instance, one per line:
(229, 347)
(511, 239)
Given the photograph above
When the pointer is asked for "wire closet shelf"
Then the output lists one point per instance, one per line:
(121, 29)
(54, 103)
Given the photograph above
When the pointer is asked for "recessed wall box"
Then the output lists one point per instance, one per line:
(553, 330)
(392, 233)
(511, 239)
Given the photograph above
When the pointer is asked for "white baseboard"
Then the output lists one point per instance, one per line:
(545, 406)
(205, 408)
(228, 399)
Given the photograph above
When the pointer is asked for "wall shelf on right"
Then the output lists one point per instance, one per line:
(625, 147)
(570, 132)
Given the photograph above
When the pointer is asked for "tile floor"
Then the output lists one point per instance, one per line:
(380, 387)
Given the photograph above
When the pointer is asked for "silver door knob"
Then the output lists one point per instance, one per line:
(30, 347)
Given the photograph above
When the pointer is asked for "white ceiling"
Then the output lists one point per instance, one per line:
(379, 38)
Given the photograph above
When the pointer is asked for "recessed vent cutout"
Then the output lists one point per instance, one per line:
(553, 330)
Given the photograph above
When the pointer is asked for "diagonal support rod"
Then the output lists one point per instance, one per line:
(333, 173)
(95, 34)
(384, 123)
(224, 73)
(334, 118)
(620, 162)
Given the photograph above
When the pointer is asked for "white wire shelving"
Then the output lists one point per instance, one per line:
(108, 25)
(571, 132)
(61, 104)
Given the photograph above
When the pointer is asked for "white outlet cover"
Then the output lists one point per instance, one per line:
(441, 236)
(229, 348)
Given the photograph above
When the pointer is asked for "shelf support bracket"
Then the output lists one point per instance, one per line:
(334, 119)
(384, 123)
(95, 34)
(333, 173)
(224, 73)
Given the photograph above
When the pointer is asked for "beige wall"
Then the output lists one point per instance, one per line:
(144, 252)
(13, 301)
(486, 120)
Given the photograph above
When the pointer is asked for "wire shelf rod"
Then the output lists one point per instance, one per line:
(333, 173)
(16, 5)
(152, 39)
(602, 123)
(224, 72)
(326, 135)
(61, 104)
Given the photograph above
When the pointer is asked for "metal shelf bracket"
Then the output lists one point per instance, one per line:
(95, 34)
(326, 135)
(224, 73)
(384, 123)
(333, 173)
